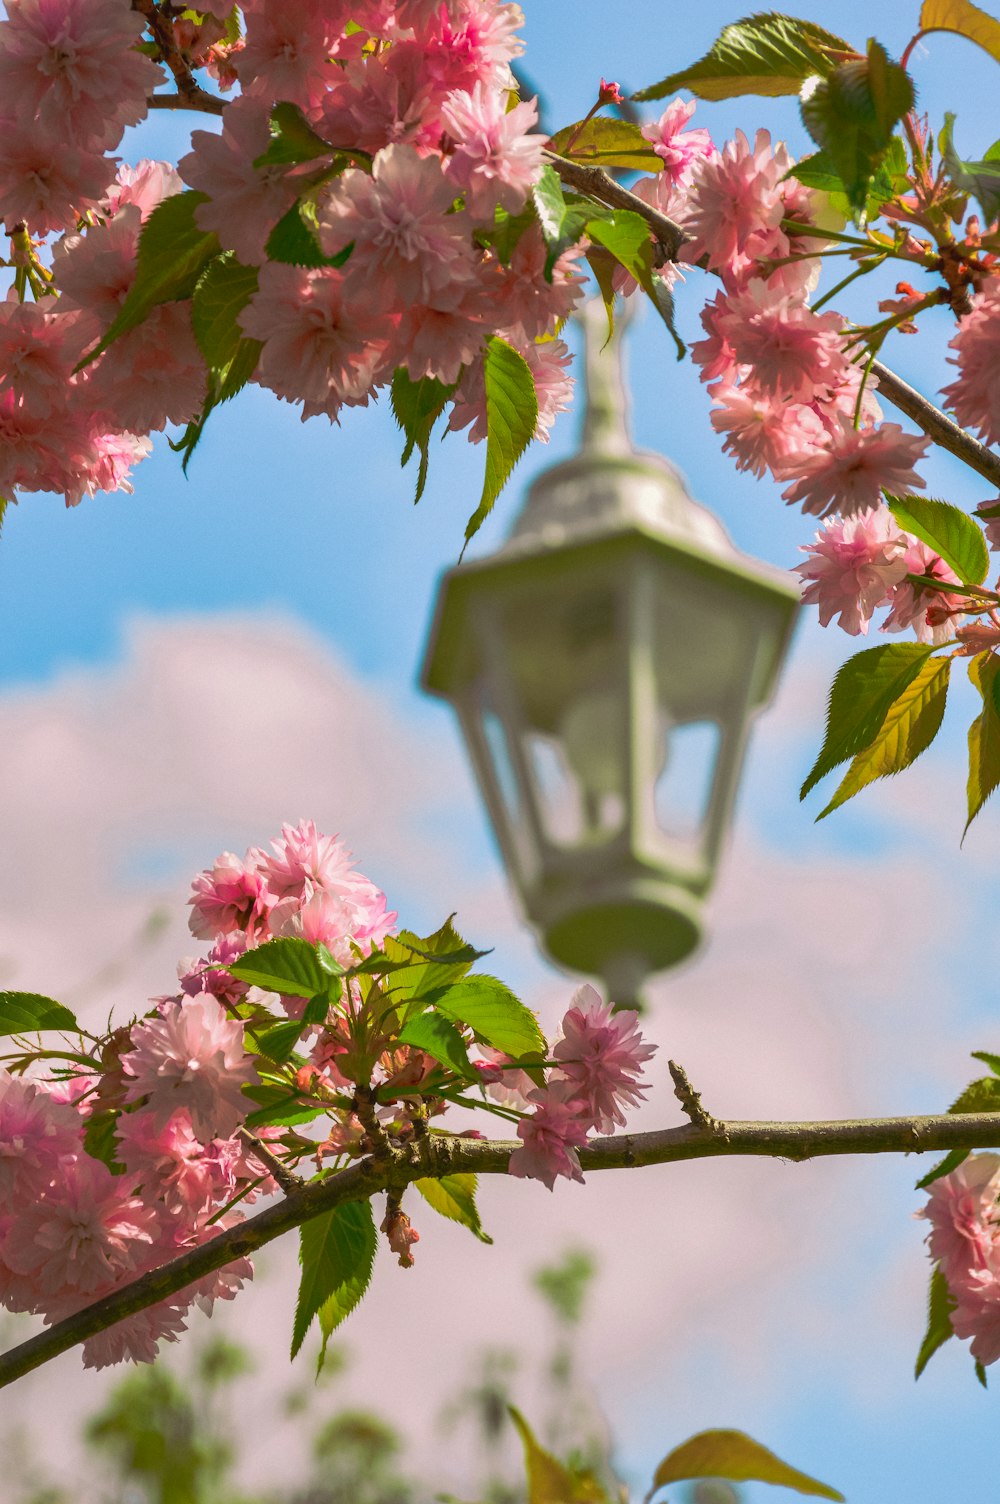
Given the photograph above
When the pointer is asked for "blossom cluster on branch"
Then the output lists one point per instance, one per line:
(309, 1032)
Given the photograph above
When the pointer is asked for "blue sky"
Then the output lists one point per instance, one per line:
(313, 527)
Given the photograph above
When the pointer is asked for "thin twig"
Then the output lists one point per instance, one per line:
(446, 1156)
(285, 1177)
(208, 104)
(599, 184)
(690, 1099)
(189, 91)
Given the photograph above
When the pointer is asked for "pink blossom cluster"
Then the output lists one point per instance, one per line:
(974, 395)
(424, 159)
(864, 561)
(964, 1241)
(598, 1061)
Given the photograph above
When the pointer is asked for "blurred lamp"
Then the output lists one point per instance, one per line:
(606, 665)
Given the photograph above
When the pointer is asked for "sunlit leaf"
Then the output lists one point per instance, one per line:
(767, 54)
(733, 1455)
(439, 1038)
(31, 1012)
(949, 531)
(562, 224)
(288, 965)
(494, 1015)
(852, 113)
(511, 418)
(417, 405)
(549, 1482)
(984, 735)
(454, 1197)
(608, 143)
(939, 1329)
(980, 179)
(966, 20)
(336, 1252)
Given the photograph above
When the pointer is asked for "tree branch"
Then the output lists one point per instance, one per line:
(190, 95)
(934, 423)
(208, 104)
(440, 1156)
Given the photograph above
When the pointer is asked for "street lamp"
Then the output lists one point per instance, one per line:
(606, 665)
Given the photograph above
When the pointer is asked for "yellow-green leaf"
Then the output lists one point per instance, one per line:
(966, 20)
(911, 724)
(734, 1455)
(939, 1308)
(454, 1197)
(603, 142)
(984, 735)
(765, 54)
(549, 1482)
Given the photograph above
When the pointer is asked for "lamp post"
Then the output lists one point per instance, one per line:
(606, 664)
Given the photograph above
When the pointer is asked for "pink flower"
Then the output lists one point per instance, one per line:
(245, 202)
(504, 1083)
(550, 1137)
(38, 350)
(732, 197)
(989, 513)
(46, 182)
(137, 1339)
(227, 898)
(192, 1057)
(473, 42)
(933, 614)
(680, 149)
(154, 375)
(974, 395)
(320, 346)
(168, 1160)
(518, 296)
(36, 1133)
(601, 1055)
(962, 1210)
(855, 563)
(71, 68)
(855, 467)
(288, 49)
(146, 184)
(91, 1230)
(95, 270)
(210, 975)
(408, 246)
(763, 433)
(496, 161)
(789, 351)
(386, 99)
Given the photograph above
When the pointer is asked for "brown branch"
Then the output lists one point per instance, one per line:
(440, 1156)
(286, 1178)
(690, 1099)
(208, 104)
(599, 184)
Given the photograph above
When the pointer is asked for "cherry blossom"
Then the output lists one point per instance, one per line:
(601, 1055)
(855, 466)
(973, 396)
(190, 1057)
(855, 563)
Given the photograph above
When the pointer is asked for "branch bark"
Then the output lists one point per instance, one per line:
(930, 419)
(443, 1156)
(207, 104)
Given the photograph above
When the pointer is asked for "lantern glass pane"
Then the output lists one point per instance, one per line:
(683, 789)
(503, 770)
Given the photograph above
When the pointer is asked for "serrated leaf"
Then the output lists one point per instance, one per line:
(852, 113)
(767, 54)
(562, 224)
(454, 1197)
(863, 690)
(819, 173)
(625, 236)
(993, 1061)
(224, 290)
(279, 1105)
(439, 1038)
(32, 1013)
(293, 139)
(737, 1457)
(951, 1161)
(494, 1014)
(984, 736)
(99, 1139)
(966, 20)
(980, 179)
(173, 252)
(608, 143)
(336, 1252)
(294, 242)
(939, 1329)
(288, 965)
(417, 406)
(980, 1373)
(279, 1041)
(979, 1096)
(602, 264)
(549, 1482)
(511, 419)
(948, 530)
(911, 724)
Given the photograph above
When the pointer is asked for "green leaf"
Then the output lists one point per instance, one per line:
(602, 264)
(733, 1455)
(224, 290)
(454, 1197)
(993, 1061)
(439, 1038)
(562, 224)
(984, 735)
(289, 965)
(294, 139)
(819, 173)
(417, 406)
(626, 236)
(608, 143)
(511, 419)
(549, 1482)
(279, 1041)
(852, 113)
(979, 1096)
(336, 1252)
(279, 1105)
(768, 54)
(980, 1372)
(419, 965)
(493, 1014)
(981, 179)
(293, 241)
(863, 690)
(911, 724)
(939, 1308)
(948, 530)
(30, 1013)
(100, 1141)
(966, 20)
(951, 1161)
(173, 253)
